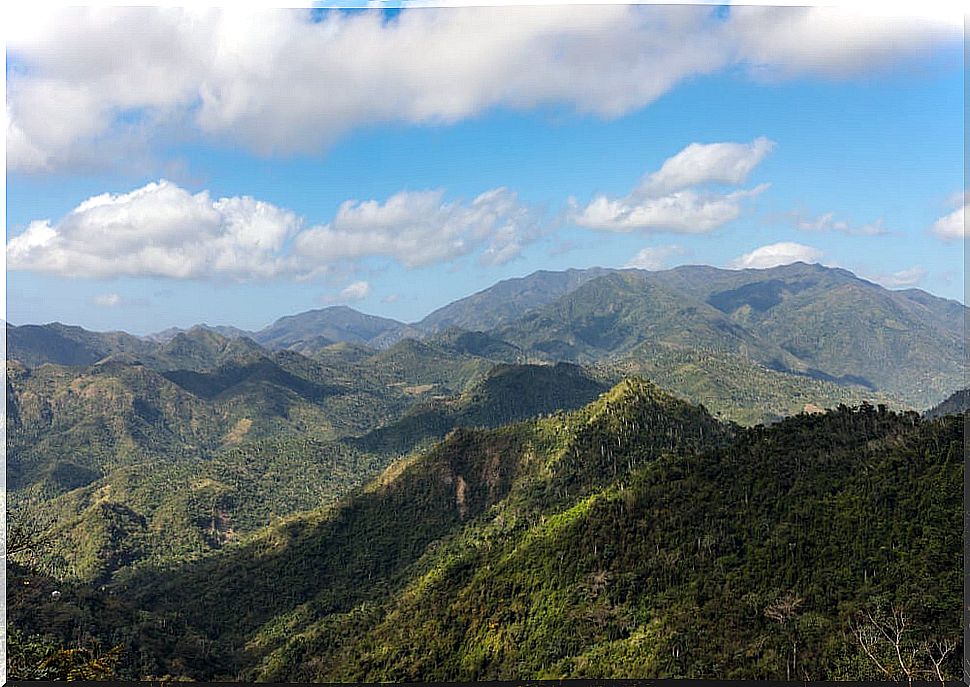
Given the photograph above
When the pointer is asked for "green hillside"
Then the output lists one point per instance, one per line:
(637, 537)
(807, 319)
(735, 388)
(956, 403)
(752, 561)
(696, 472)
(174, 506)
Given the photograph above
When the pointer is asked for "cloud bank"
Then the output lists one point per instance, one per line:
(162, 230)
(291, 81)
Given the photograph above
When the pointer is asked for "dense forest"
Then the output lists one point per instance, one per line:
(585, 474)
(637, 537)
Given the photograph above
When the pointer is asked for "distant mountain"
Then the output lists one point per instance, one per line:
(480, 344)
(956, 403)
(612, 314)
(507, 300)
(844, 328)
(62, 344)
(806, 319)
(224, 330)
(337, 323)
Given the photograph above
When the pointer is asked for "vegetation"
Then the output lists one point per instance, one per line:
(357, 499)
(955, 404)
(637, 537)
(733, 387)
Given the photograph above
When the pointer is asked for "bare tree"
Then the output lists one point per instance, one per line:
(28, 533)
(943, 649)
(885, 639)
(782, 612)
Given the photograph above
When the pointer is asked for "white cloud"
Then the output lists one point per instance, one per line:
(683, 212)
(357, 291)
(700, 163)
(952, 226)
(162, 230)
(275, 81)
(902, 279)
(827, 222)
(781, 42)
(654, 257)
(158, 230)
(776, 254)
(669, 199)
(108, 300)
(419, 228)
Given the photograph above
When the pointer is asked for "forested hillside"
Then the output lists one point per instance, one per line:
(596, 473)
(637, 537)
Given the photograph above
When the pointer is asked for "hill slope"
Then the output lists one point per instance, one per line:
(749, 561)
(637, 537)
(336, 323)
(806, 319)
(956, 403)
(61, 344)
(507, 300)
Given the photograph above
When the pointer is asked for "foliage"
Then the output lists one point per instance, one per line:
(38, 658)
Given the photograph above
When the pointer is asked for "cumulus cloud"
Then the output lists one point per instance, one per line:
(782, 42)
(827, 222)
(219, 74)
(674, 198)
(158, 230)
(108, 300)
(901, 279)
(654, 257)
(699, 163)
(162, 230)
(775, 254)
(952, 226)
(357, 291)
(419, 228)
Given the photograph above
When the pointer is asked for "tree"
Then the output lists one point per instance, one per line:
(782, 612)
(886, 638)
(28, 533)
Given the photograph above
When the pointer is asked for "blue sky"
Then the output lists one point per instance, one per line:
(285, 172)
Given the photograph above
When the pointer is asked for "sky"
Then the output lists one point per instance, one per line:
(170, 166)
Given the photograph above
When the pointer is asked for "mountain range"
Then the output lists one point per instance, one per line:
(808, 320)
(592, 473)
